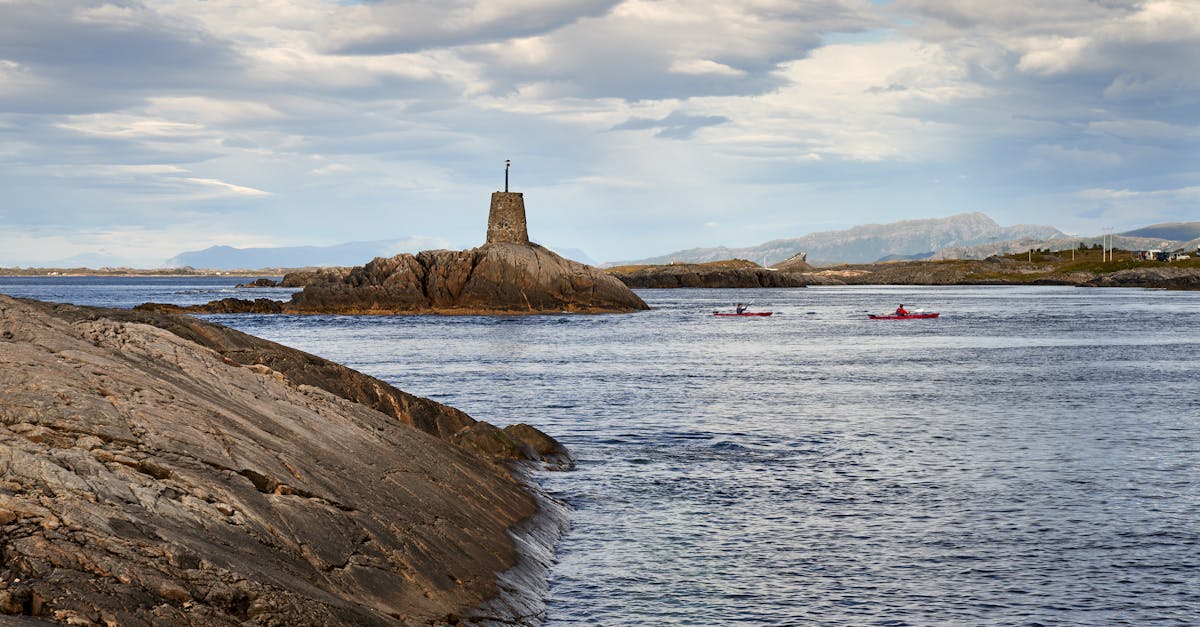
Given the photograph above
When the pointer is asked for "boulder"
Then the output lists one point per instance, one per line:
(545, 448)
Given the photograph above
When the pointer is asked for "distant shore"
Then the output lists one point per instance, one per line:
(1084, 267)
(143, 272)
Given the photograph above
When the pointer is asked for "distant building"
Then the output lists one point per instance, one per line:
(1161, 255)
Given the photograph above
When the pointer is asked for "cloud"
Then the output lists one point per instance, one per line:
(408, 26)
(631, 123)
(674, 126)
(643, 50)
(224, 188)
(1116, 50)
(108, 52)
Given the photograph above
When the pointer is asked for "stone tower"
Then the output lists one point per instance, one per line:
(506, 221)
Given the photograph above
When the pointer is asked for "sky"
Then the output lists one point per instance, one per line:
(131, 131)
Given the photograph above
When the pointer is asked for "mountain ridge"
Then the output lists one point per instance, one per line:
(221, 257)
(868, 242)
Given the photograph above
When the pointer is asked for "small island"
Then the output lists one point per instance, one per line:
(508, 275)
(732, 273)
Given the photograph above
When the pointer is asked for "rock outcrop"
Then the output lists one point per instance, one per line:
(796, 263)
(1164, 278)
(163, 470)
(263, 282)
(497, 278)
(722, 274)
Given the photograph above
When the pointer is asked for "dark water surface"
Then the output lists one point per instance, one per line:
(1033, 456)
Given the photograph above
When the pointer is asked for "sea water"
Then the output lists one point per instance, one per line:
(1030, 457)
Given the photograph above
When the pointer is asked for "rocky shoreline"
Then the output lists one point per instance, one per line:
(1012, 270)
(733, 273)
(161, 469)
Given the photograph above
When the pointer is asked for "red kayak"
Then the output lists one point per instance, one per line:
(743, 315)
(911, 316)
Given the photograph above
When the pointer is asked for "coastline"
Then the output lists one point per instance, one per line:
(523, 589)
(204, 363)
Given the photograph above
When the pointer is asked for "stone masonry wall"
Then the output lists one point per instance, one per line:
(506, 221)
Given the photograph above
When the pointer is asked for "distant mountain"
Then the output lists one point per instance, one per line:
(573, 254)
(348, 254)
(1175, 231)
(871, 242)
(87, 260)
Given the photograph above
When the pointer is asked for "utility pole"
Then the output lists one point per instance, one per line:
(506, 164)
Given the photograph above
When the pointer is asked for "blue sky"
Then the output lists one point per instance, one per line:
(131, 131)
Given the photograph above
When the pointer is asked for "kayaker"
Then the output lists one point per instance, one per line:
(901, 311)
(741, 308)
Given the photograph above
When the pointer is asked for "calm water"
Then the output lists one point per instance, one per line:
(1033, 456)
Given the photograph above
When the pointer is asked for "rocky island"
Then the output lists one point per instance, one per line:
(733, 273)
(164, 470)
(507, 275)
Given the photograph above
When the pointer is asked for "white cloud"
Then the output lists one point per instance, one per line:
(227, 188)
(1047, 56)
(703, 66)
(123, 125)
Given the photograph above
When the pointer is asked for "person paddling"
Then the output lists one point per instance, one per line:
(741, 308)
(901, 311)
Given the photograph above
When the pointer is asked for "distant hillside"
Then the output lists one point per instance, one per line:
(348, 254)
(1175, 231)
(1126, 242)
(871, 242)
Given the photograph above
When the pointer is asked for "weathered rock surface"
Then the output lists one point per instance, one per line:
(300, 278)
(498, 278)
(162, 470)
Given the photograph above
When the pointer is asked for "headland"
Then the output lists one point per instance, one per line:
(164, 470)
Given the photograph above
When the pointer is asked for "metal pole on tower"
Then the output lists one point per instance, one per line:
(506, 164)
